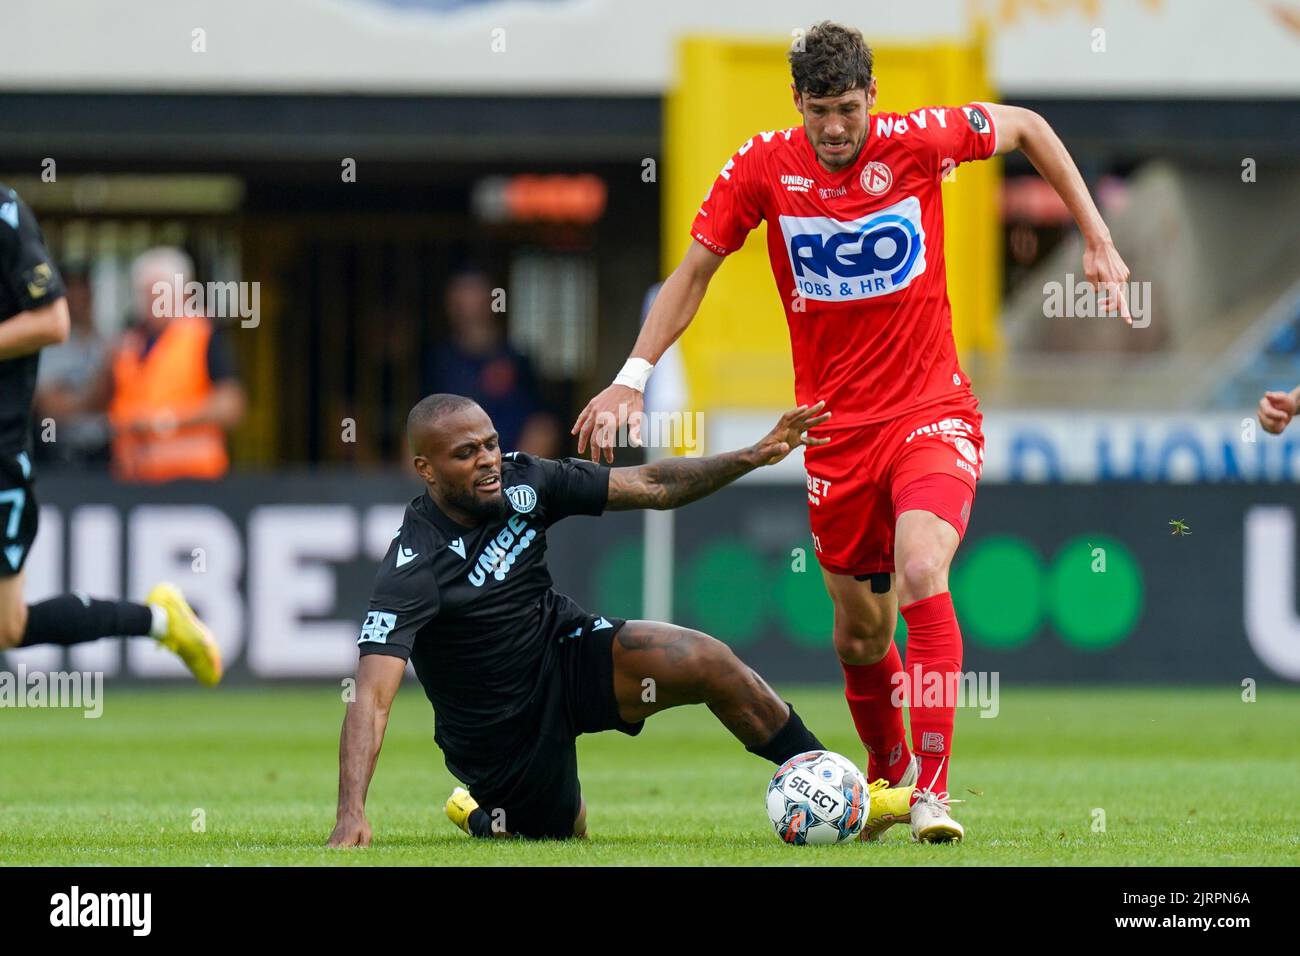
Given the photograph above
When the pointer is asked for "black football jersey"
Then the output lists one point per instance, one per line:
(28, 280)
(474, 609)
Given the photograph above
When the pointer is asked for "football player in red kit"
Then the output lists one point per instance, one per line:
(855, 238)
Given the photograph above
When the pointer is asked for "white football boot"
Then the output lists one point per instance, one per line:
(930, 820)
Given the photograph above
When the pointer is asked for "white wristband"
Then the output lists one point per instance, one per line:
(635, 373)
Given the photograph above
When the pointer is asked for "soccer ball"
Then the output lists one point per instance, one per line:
(817, 797)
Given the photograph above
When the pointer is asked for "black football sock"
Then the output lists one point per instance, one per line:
(792, 739)
(480, 824)
(75, 619)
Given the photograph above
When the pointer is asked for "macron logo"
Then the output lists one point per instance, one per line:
(405, 556)
(458, 546)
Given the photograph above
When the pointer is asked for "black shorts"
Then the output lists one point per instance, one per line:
(18, 512)
(541, 798)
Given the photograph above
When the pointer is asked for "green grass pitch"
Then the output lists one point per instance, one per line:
(1184, 776)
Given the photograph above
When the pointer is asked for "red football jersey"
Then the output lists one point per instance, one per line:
(857, 256)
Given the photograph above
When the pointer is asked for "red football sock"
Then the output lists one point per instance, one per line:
(933, 661)
(870, 689)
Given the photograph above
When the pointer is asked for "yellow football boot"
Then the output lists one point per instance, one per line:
(889, 805)
(187, 637)
(459, 806)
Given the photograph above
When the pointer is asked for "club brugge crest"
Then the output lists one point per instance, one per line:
(522, 498)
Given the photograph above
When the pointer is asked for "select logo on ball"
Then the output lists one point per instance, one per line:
(817, 797)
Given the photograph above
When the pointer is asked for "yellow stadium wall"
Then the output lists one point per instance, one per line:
(737, 352)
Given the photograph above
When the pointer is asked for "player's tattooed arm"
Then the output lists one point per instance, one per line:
(378, 678)
(674, 482)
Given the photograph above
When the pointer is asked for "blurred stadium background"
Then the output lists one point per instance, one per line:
(480, 195)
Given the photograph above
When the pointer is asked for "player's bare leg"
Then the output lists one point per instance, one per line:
(13, 611)
(864, 616)
(924, 546)
(657, 666)
(923, 552)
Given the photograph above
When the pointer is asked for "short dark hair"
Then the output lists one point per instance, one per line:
(832, 59)
(431, 408)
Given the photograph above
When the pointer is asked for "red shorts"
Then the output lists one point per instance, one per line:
(860, 482)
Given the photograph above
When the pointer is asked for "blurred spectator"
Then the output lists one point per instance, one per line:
(477, 362)
(171, 388)
(67, 372)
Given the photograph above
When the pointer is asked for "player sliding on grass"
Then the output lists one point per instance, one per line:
(855, 239)
(33, 314)
(516, 671)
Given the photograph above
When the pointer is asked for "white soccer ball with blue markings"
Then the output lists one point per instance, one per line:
(818, 797)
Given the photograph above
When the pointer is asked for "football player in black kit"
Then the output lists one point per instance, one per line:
(516, 671)
(33, 314)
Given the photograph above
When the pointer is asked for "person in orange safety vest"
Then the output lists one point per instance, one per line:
(174, 387)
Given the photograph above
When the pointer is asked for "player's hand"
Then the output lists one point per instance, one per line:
(791, 432)
(1104, 268)
(604, 415)
(352, 830)
(1276, 409)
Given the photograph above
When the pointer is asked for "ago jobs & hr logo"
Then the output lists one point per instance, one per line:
(836, 261)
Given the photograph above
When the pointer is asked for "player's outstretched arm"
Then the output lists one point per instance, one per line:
(378, 678)
(674, 482)
(1025, 130)
(674, 307)
(1276, 409)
